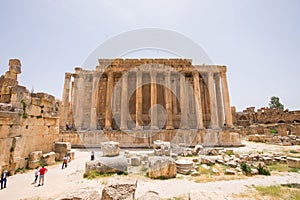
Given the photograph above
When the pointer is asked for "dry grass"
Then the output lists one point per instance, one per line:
(274, 192)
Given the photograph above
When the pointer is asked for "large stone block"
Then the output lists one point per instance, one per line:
(293, 162)
(161, 167)
(110, 148)
(161, 148)
(124, 190)
(48, 158)
(107, 165)
(35, 155)
(62, 147)
(33, 164)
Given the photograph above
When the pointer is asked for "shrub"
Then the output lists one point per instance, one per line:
(246, 168)
(272, 131)
(263, 170)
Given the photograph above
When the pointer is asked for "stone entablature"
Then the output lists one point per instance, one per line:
(124, 94)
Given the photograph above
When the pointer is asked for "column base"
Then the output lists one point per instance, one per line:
(154, 128)
(215, 127)
(108, 128)
(169, 127)
(124, 128)
(200, 128)
(184, 127)
(138, 128)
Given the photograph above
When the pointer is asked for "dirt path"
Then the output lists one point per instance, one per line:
(60, 183)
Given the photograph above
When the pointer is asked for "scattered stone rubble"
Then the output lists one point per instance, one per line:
(121, 189)
(275, 139)
(110, 162)
(37, 158)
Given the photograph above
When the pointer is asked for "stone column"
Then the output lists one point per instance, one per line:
(65, 101)
(183, 106)
(124, 102)
(108, 106)
(169, 125)
(228, 116)
(197, 93)
(93, 121)
(154, 122)
(71, 106)
(139, 99)
(174, 97)
(79, 100)
(213, 101)
(219, 100)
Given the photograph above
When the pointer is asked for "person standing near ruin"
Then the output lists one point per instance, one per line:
(42, 172)
(65, 162)
(3, 179)
(36, 174)
(92, 156)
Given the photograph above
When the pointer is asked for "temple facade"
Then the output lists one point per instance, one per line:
(146, 94)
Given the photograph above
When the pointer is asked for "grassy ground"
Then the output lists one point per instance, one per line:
(274, 192)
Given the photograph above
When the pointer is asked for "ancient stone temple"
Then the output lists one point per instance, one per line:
(140, 95)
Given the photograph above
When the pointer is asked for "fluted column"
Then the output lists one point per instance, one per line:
(228, 116)
(93, 121)
(139, 99)
(219, 101)
(183, 102)
(65, 101)
(174, 97)
(154, 122)
(71, 106)
(198, 102)
(213, 101)
(79, 100)
(108, 106)
(124, 102)
(169, 124)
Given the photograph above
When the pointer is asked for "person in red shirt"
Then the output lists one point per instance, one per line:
(42, 171)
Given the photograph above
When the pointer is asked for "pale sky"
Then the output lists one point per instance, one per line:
(259, 41)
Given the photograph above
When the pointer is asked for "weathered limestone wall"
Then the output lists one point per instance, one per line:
(264, 116)
(146, 138)
(266, 121)
(28, 121)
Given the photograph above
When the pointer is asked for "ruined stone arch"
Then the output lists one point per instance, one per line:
(243, 118)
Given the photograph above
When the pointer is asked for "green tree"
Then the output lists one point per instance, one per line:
(275, 103)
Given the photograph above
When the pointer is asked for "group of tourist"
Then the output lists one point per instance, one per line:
(41, 174)
(38, 173)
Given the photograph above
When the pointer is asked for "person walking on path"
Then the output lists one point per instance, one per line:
(3, 179)
(65, 162)
(42, 172)
(36, 174)
(92, 156)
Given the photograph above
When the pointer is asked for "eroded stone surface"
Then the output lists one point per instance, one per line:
(110, 148)
(161, 167)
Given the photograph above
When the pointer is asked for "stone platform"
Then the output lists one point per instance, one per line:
(145, 138)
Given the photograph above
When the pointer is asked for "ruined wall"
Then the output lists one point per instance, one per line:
(28, 121)
(264, 116)
(268, 125)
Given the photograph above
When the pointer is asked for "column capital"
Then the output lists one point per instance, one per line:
(68, 75)
(195, 73)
